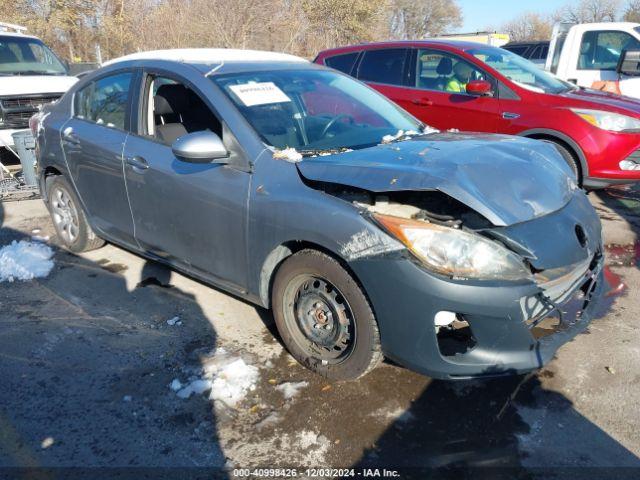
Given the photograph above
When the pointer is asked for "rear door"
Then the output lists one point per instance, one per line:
(93, 140)
(386, 70)
(438, 97)
(193, 215)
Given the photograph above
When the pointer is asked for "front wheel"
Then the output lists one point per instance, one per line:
(69, 219)
(570, 159)
(324, 317)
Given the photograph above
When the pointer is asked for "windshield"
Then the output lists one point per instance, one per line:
(28, 56)
(312, 110)
(520, 70)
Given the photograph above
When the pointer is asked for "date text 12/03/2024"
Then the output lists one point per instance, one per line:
(315, 472)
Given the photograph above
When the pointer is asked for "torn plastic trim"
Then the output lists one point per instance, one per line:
(369, 243)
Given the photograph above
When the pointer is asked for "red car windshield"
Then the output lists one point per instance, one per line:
(520, 71)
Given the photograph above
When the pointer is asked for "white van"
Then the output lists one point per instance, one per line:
(30, 76)
(602, 56)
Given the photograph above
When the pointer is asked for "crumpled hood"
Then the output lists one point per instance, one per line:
(34, 84)
(506, 179)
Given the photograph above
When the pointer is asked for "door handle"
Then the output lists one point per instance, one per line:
(138, 163)
(70, 137)
(423, 102)
(510, 116)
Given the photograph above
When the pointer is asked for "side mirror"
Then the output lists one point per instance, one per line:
(479, 88)
(629, 63)
(200, 147)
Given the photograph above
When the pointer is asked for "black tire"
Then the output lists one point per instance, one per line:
(570, 159)
(310, 275)
(69, 220)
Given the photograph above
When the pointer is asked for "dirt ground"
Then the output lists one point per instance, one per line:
(87, 359)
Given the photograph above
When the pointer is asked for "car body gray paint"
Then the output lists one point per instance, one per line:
(282, 211)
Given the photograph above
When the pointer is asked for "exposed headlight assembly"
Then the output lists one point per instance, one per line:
(613, 122)
(454, 252)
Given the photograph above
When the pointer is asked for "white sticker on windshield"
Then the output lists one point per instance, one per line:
(261, 93)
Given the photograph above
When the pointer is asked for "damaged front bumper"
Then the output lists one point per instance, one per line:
(499, 328)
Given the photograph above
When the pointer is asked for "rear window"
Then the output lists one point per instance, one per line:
(518, 50)
(105, 101)
(344, 62)
(383, 66)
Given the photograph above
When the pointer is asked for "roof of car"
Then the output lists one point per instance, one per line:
(531, 42)
(209, 56)
(4, 33)
(459, 44)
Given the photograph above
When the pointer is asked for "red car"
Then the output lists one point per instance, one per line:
(475, 87)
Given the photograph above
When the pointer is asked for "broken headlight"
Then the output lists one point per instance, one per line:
(613, 122)
(454, 252)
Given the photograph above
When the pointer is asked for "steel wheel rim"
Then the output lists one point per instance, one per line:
(65, 215)
(319, 319)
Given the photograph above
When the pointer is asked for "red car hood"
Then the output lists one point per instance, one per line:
(600, 100)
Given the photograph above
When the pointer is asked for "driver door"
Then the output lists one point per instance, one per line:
(442, 109)
(192, 215)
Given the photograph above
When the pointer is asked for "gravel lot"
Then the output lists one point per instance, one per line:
(87, 361)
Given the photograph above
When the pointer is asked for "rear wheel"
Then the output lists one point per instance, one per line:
(68, 218)
(324, 318)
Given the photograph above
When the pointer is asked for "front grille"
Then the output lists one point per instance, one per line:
(559, 315)
(17, 119)
(15, 111)
(29, 102)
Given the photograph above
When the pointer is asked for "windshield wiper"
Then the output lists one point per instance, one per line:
(316, 152)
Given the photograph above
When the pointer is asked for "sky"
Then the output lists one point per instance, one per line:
(480, 14)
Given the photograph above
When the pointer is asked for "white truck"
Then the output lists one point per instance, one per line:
(601, 56)
(30, 76)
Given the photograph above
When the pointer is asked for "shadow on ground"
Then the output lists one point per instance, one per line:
(86, 364)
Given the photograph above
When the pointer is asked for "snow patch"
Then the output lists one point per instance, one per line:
(233, 382)
(25, 260)
(228, 380)
(317, 446)
(288, 154)
(291, 389)
(405, 135)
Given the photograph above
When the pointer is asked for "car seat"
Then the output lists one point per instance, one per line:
(169, 104)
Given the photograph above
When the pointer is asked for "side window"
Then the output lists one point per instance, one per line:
(536, 53)
(174, 110)
(600, 50)
(518, 49)
(446, 72)
(383, 66)
(343, 62)
(105, 101)
(545, 52)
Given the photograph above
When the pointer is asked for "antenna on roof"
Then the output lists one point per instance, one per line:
(8, 27)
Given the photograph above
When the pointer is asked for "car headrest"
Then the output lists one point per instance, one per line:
(170, 99)
(445, 66)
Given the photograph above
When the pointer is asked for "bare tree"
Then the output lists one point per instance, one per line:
(529, 26)
(632, 12)
(337, 22)
(412, 19)
(586, 11)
